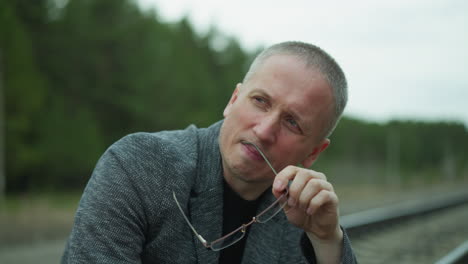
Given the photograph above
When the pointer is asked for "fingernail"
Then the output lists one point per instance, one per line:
(278, 185)
(291, 202)
(309, 211)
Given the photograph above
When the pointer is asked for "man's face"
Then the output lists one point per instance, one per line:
(283, 109)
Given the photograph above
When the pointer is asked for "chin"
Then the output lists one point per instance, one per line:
(255, 180)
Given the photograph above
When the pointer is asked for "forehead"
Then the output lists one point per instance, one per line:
(291, 69)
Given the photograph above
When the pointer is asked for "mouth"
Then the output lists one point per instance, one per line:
(256, 153)
(252, 150)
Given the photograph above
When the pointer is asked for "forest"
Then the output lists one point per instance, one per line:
(77, 75)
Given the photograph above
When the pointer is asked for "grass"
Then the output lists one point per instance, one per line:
(30, 218)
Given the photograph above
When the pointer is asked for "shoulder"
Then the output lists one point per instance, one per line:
(149, 159)
(175, 144)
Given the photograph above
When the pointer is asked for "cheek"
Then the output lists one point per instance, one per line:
(290, 150)
(243, 115)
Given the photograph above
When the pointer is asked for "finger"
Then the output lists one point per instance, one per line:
(296, 187)
(324, 197)
(318, 175)
(288, 174)
(312, 188)
(282, 179)
(303, 187)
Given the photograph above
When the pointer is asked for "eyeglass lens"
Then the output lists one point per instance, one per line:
(273, 210)
(229, 239)
(239, 233)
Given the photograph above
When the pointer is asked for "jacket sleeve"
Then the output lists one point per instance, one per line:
(110, 220)
(308, 253)
(298, 249)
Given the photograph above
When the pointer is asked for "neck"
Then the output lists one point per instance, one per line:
(247, 190)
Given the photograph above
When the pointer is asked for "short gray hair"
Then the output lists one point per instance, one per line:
(317, 58)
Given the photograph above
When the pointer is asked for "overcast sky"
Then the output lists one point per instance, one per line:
(404, 59)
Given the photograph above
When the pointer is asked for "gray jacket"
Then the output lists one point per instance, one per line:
(127, 213)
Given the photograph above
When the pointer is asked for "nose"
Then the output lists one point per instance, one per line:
(266, 128)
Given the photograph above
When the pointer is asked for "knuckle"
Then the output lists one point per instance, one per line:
(329, 186)
(312, 184)
(322, 176)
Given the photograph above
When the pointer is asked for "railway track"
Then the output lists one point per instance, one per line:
(433, 232)
(429, 231)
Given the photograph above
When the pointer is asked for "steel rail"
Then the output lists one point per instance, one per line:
(457, 256)
(366, 220)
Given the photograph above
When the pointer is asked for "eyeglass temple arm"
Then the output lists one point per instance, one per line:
(263, 155)
(202, 240)
(265, 158)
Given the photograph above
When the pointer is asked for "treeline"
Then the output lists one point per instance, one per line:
(76, 78)
(397, 152)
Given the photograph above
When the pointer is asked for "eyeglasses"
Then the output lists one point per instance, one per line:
(239, 233)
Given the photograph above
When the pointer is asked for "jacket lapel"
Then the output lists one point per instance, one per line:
(265, 238)
(206, 213)
(206, 199)
(206, 208)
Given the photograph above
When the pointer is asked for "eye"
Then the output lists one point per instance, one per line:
(292, 122)
(293, 125)
(259, 100)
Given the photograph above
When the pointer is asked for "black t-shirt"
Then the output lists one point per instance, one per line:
(236, 211)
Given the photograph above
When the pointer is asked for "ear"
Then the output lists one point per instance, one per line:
(312, 157)
(234, 97)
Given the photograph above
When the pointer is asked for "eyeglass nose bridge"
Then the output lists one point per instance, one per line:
(244, 226)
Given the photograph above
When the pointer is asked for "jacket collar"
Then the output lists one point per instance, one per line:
(206, 198)
(206, 207)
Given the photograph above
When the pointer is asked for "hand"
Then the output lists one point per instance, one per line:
(312, 204)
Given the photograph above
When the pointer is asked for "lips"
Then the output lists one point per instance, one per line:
(251, 152)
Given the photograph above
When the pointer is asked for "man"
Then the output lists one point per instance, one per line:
(167, 197)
